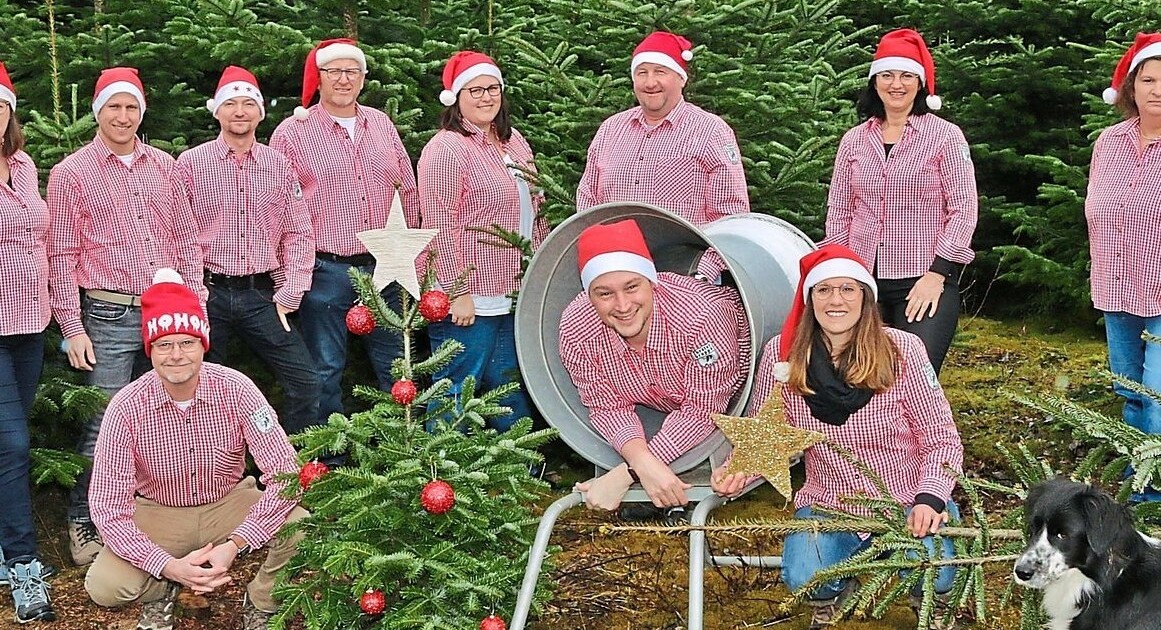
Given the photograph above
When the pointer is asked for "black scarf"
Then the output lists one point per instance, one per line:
(834, 400)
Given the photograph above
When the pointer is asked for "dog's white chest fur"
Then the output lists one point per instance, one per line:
(1061, 598)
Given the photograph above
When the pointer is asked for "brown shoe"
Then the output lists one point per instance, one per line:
(84, 542)
(827, 612)
(941, 610)
(252, 618)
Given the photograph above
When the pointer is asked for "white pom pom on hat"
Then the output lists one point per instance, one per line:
(167, 274)
(904, 50)
(664, 49)
(464, 66)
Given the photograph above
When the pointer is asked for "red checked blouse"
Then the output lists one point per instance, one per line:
(114, 225)
(149, 447)
(23, 256)
(688, 164)
(905, 434)
(250, 216)
(1123, 209)
(466, 184)
(899, 212)
(695, 359)
(348, 185)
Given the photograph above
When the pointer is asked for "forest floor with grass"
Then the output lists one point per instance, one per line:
(614, 581)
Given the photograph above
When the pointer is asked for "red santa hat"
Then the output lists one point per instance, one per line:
(319, 56)
(666, 49)
(618, 246)
(115, 81)
(168, 307)
(462, 68)
(7, 92)
(236, 81)
(824, 263)
(1146, 45)
(905, 50)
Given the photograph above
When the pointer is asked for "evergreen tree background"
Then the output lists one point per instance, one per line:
(368, 530)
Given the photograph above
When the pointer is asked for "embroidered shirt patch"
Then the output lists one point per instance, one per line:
(731, 152)
(706, 355)
(263, 419)
(929, 372)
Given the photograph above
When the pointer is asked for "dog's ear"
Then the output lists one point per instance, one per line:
(1034, 496)
(1106, 521)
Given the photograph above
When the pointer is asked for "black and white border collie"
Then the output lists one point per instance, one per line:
(1096, 570)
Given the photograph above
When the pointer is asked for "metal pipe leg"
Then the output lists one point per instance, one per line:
(536, 557)
(698, 558)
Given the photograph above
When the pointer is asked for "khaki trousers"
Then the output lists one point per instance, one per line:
(112, 581)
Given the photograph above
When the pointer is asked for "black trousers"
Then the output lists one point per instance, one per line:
(936, 332)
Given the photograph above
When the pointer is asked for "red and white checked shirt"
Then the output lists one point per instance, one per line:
(466, 184)
(23, 253)
(251, 218)
(1123, 209)
(113, 226)
(348, 185)
(898, 213)
(695, 359)
(689, 164)
(149, 447)
(905, 434)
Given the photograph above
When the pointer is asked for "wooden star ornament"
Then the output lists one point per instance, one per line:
(764, 444)
(395, 248)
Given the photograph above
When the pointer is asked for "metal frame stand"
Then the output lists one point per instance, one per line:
(699, 556)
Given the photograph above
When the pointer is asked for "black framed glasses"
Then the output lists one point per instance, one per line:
(478, 92)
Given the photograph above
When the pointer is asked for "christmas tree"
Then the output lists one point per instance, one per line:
(418, 529)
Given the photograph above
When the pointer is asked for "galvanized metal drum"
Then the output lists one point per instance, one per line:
(761, 253)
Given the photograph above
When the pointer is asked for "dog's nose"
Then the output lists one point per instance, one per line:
(1023, 572)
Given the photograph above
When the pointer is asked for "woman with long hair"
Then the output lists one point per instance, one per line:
(873, 393)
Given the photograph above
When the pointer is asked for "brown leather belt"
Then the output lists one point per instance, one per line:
(112, 297)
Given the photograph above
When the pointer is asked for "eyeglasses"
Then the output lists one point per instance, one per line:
(906, 78)
(334, 74)
(848, 292)
(492, 90)
(185, 345)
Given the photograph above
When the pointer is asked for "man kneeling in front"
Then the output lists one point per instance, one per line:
(168, 493)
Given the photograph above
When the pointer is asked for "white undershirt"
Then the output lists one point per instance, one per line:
(348, 124)
(127, 160)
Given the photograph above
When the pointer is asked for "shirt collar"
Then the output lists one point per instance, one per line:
(158, 397)
(1131, 126)
(222, 151)
(920, 123)
(673, 117)
(106, 152)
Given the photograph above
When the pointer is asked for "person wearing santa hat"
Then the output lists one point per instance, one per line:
(903, 194)
(255, 233)
(24, 302)
(636, 336)
(349, 160)
(169, 492)
(873, 392)
(1124, 229)
(115, 220)
(666, 151)
(477, 172)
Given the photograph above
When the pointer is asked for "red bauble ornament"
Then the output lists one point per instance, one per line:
(360, 320)
(310, 472)
(403, 392)
(492, 622)
(437, 497)
(434, 305)
(372, 602)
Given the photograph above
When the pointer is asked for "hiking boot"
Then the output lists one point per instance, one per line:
(252, 618)
(942, 610)
(827, 612)
(29, 590)
(84, 541)
(158, 614)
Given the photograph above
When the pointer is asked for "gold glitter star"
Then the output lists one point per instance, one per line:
(764, 445)
(395, 248)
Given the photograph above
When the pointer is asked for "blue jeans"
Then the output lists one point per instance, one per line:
(251, 314)
(1132, 358)
(115, 331)
(323, 317)
(21, 357)
(490, 356)
(807, 553)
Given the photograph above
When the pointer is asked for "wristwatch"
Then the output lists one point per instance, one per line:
(240, 543)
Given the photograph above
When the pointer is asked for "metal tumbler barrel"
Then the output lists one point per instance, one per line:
(761, 254)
